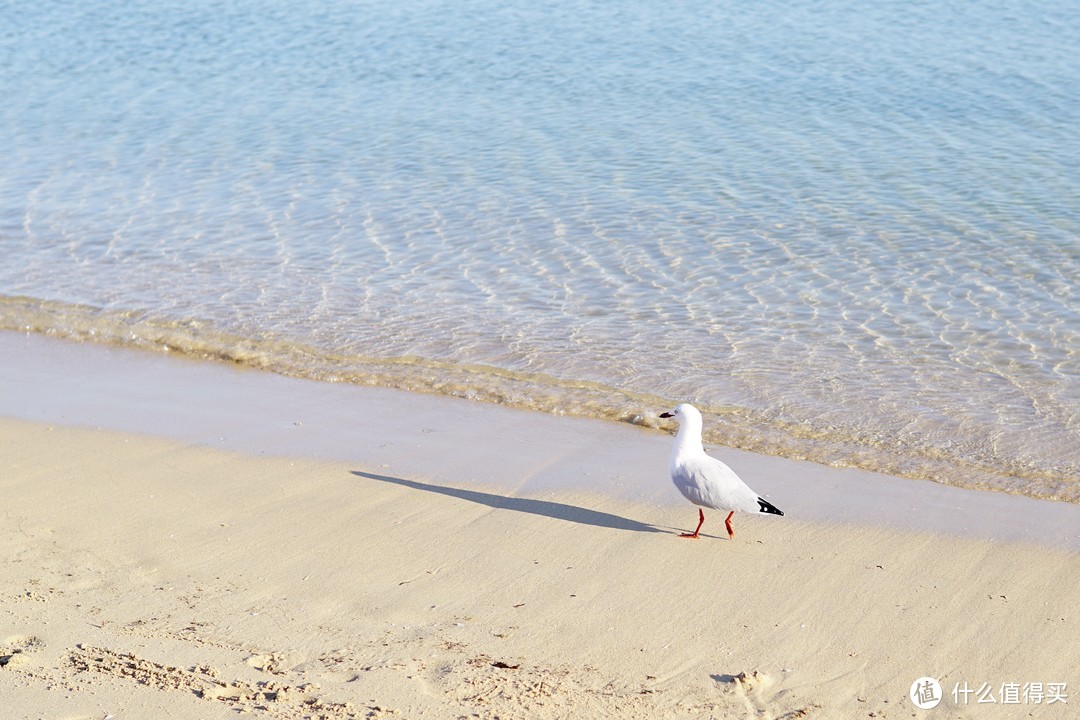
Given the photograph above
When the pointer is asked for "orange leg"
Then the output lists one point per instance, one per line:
(701, 521)
(730, 532)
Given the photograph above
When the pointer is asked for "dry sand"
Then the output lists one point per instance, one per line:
(433, 577)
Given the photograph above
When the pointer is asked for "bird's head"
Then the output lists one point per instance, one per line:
(682, 412)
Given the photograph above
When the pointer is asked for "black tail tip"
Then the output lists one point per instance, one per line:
(766, 507)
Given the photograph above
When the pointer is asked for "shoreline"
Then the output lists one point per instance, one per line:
(836, 445)
(461, 443)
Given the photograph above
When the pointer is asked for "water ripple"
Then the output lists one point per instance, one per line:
(850, 233)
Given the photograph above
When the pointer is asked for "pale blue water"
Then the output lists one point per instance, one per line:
(850, 231)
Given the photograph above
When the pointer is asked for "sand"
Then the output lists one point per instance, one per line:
(523, 568)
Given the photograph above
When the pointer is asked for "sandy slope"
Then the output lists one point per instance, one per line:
(147, 578)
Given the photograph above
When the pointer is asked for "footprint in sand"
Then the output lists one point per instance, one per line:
(751, 688)
(14, 649)
(272, 663)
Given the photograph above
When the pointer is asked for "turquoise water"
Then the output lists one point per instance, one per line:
(850, 232)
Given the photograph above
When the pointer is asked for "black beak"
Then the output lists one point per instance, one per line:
(666, 415)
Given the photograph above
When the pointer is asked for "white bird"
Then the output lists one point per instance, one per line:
(704, 480)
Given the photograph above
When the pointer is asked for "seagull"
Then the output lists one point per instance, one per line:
(704, 480)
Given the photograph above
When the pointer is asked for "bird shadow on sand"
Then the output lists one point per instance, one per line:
(544, 508)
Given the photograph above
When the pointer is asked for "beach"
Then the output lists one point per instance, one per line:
(431, 557)
(336, 339)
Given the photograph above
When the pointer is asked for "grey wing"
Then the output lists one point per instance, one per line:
(691, 485)
(707, 481)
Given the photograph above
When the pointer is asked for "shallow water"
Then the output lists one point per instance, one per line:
(849, 233)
